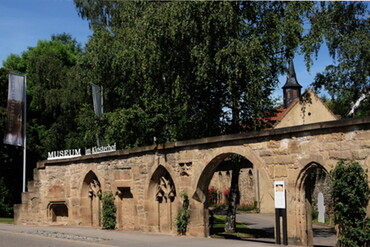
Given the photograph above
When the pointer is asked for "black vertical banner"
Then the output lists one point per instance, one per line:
(16, 98)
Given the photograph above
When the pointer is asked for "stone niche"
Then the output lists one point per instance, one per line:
(125, 204)
(124, 192)
(58, 212)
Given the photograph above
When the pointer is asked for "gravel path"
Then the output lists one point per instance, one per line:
(68, 236)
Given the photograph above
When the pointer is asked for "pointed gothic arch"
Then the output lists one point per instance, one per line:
(90, 209)
(304, 187)
(161, 198)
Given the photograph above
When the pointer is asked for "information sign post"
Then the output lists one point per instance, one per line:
(280, 212)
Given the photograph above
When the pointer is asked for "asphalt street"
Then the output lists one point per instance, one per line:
(323, 235)
(63, 236)
(15, 236)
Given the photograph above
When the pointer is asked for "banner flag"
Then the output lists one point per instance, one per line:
(16, 99)
(97, 99)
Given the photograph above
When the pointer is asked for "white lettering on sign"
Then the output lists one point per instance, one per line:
(64, 154)
(98, 150)
(279, 188)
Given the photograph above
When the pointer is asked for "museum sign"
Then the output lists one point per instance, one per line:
(72, 153)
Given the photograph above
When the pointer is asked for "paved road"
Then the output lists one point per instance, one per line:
(323, 235)
(35, 236)
(15, 239)
(15, 236)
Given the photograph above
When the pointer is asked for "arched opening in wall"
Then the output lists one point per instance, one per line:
(228, 189)
(162, 195)
(58, 212)
(316, 209)
(90, 206)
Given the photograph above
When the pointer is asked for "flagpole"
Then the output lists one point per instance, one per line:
(24, 133)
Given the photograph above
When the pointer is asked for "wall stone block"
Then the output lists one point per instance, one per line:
(340, 155)
(280, 171)
(281, 152)
(362, 135)
(257, 146)
(264, 153)
(273, 144)
(365, 144)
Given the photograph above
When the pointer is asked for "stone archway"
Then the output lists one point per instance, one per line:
(217, 163)
(161, 199)
(90, 209)
(305, 185)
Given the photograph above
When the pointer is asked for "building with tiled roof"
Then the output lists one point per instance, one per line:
(299, 109)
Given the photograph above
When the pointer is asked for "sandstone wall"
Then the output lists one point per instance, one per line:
(148, 181)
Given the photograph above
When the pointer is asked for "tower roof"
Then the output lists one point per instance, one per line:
(291, 81)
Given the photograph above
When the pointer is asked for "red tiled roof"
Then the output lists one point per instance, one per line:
(275, 117)
(281, 112)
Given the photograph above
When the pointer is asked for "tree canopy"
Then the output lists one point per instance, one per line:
(196, 69)
(54, 92)
(345, 28)
(190, 69)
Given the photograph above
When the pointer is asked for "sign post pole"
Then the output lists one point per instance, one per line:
(24, 134)
(280, 212)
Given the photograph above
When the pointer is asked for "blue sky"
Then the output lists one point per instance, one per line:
(24, 22)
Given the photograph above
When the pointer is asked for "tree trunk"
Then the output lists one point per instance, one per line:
(230, 224)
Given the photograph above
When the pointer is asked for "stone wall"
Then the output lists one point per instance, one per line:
(221, 182)
(147, 181)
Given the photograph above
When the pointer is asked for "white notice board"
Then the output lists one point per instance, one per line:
(279, 189)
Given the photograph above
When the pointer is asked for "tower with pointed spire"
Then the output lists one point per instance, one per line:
(291, 89)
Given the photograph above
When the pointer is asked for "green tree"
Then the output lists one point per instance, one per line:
(345, 28)
(54, 96)
(350, 192)
(233, 198)
(235, 162)
(54, 93)
(194, 69)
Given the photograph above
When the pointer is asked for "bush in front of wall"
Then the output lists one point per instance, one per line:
(350, 192)
(183, 215)
(109, 211)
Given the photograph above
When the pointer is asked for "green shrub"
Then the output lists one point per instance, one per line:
(5, 207)
(183, 215)
(109, 211)
(350, 191)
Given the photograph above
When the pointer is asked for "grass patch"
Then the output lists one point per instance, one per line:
(242, 231)
(7, 220)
